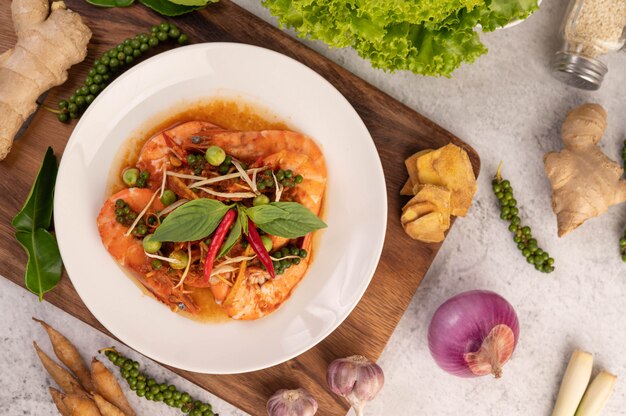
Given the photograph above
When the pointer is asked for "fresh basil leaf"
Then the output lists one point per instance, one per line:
(193, 221)
(285, 219)
(167, 8)
(37, 211)
(262, 214)
(44, 266)
(110, 3)
(242, 218)
(230, 242)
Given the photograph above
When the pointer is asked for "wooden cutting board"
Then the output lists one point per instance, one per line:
(397, 130)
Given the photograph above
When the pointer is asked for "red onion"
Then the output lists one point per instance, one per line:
(473, 334)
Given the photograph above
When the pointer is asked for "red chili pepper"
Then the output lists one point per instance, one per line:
(216, 242)
(257, 245)
(176, 149)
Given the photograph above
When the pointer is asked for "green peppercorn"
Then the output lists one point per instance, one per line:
(130, 176)
(183, 39)
(521, 234)
(267, 242)
(149, 245)
(215, 155)
(168, 198)
(174, 33)
(260, 199)
(63, 117)
(181, 259)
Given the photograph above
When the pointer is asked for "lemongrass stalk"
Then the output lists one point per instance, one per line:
(597, 395)
(574, 383)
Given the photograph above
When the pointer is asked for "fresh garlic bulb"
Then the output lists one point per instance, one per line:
(357, 379)
(291, 403)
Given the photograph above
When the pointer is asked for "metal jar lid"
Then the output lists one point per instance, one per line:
(578, 71)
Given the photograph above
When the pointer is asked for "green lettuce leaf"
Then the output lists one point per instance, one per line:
(428, 37)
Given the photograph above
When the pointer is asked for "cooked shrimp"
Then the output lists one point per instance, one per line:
(128, 250)
(277, 148)
(156, 152)
(251, 293)
(257, 294)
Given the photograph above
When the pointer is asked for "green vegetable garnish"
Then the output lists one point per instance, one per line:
(267, 243)
(130, 177)
(260, 200)
(425, 37)
(181, 259)
(44, 266)
(285, 219)
(215, 155)
(168, 198)
(199, 218)
(151, 246)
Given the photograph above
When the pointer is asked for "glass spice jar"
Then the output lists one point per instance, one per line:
(590, 29)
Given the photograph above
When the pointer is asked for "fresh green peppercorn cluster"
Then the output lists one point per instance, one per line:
(226, 165)
(156, 264)
(622, 241)
(140, 230)
(147, 387)
(284, 177)
(287, 178)
(132, 177)
(197, 163)
(521, 234)
(622, 246)
(123, 213)
(105, 68)
(142, 181)
(281, 264)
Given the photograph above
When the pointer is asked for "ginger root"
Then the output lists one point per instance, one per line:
(426, 217)
(585, 182)
(48, 44)
(444, 184)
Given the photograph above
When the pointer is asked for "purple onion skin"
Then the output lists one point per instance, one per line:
(461, 324)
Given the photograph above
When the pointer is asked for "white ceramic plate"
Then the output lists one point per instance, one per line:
(347, 253)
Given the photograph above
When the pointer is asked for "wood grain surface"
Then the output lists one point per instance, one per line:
(397, 130)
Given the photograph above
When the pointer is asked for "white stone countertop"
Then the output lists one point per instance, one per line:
(509, 108)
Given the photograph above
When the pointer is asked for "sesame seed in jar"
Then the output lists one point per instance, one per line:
(595, 27)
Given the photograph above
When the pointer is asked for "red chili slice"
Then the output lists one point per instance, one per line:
(216, 242)
(257, 245)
